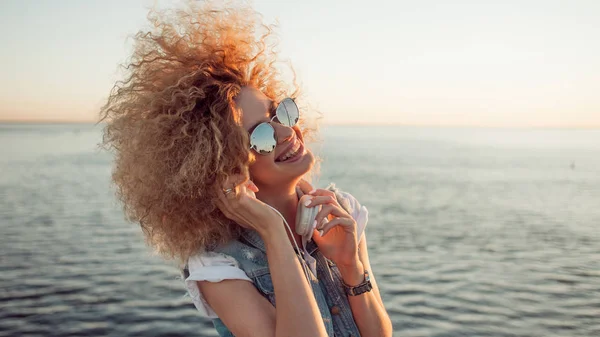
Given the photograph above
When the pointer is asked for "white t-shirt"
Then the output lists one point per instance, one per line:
(216, 267)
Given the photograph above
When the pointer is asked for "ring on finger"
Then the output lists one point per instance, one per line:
(228, 191)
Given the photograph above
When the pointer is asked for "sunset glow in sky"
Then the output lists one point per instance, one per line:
(477, 63)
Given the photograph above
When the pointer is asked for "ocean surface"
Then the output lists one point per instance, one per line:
(472, 232)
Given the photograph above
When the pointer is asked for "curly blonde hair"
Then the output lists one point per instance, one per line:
(174, 126)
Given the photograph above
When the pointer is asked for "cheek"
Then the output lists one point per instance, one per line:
(262, 165)
(298, 133)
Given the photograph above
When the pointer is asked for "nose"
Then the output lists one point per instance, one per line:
(283, 133)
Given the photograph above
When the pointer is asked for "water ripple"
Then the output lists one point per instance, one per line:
(465, 239)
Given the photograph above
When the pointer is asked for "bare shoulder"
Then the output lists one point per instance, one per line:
(240, 306)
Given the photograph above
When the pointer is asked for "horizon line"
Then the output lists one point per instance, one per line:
(581, 127)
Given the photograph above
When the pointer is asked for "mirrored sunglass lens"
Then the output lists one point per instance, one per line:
(262, 139)
(287, 112)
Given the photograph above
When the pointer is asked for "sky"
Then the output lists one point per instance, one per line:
(526, 63)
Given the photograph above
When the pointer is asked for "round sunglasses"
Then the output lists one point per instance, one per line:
(262, 138)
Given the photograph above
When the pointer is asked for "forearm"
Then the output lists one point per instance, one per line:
(367, 308)
(297, 313)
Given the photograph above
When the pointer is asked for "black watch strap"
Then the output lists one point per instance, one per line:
(362, 288)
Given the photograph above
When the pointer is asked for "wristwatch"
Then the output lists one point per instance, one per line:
(362, 288)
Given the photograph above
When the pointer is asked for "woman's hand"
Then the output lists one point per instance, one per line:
(238, 203)
(338, 242)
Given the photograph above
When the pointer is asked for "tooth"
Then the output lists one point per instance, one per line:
(293, 151)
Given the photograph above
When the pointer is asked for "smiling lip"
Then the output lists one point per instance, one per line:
(287, 149)
(295, 157)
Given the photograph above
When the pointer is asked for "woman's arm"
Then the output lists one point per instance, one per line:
(367, 308)
(297, 310)
(339, 244)
(246, 313)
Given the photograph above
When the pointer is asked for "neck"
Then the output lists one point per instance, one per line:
(282, 198)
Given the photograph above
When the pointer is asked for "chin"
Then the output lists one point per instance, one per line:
(308, 164)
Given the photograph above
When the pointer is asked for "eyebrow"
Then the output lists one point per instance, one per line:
(270, 106)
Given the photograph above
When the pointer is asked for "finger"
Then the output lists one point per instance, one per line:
(348, 225)
(232, 192)
(228, 189)
(232, 204)
(327, 210)
(251, 186)
(299, 192)
(322, 192)
(244, 193)
(229, 194)
(320, 200)
(232, 184)
(223, 201)
(322, 216)
(304, 186)
(233, 180)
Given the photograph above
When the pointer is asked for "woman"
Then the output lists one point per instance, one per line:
(202, 111)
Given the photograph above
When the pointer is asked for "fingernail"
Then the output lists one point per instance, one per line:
(307, 202)
(321, 232)
(311, 192)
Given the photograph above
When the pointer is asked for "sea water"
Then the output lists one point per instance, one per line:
(472, 232)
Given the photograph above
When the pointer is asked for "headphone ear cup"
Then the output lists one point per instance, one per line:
(305, 217)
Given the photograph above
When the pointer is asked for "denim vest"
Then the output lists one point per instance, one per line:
(249, 251)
